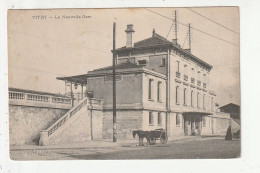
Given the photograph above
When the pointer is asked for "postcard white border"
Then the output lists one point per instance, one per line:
(250, 98)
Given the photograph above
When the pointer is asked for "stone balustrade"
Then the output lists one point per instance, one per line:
(38, 99)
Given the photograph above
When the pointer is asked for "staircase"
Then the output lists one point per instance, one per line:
(235, 125)
(80, 113)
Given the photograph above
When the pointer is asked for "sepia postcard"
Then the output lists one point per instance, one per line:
(124, 83)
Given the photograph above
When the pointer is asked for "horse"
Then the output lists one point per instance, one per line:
(149, 135)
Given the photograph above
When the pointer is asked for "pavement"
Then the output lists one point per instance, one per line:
(99, 143)
(179, 147)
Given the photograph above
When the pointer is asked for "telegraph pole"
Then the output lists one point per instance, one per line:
(189, 38)
(176, 25)
(114, 83)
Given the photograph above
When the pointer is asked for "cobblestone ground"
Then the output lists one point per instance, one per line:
(186, 149)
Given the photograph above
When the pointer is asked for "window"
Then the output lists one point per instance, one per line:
(177, 95)
(191, 98)
(204, 121)
(178, 66)
(159, 118)
(198, 100)
(178, 120)
(142, 62)
(159, 91)
(163, 62)
(209, 103)
(184, 97)
(150, 89)
(185, 70)
(204, 105)
(212, 104)
(150, 118)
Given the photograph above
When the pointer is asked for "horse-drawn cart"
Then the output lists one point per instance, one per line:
(151, 136)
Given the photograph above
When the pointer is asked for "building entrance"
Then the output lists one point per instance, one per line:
(192, 124)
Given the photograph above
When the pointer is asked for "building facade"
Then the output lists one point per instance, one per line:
(158, 85)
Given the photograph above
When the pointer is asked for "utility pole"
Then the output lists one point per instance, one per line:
(71, 95)
(114, 83)
(189, 38)
(176, 26)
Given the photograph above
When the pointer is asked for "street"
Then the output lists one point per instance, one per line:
(204, 148)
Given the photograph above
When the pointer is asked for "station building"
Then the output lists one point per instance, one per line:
(158, 85)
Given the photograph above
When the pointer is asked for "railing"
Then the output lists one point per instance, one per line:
(199, 83)
(192, 80)
(185, 77)
(13, 95)
(96, 101)
(17, 96)
(178, 74)
(66, 117)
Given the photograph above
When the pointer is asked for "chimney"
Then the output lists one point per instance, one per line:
(187, 50)
(174, 41)
(129, 32)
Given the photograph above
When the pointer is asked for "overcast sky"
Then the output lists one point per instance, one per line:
(42, 49)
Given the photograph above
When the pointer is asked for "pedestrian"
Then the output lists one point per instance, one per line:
(229, 134)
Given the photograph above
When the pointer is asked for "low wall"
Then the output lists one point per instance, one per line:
(25, 123)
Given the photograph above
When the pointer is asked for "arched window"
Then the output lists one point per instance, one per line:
(204, 106)
(191, 99)
(177, 95)
(212, 104)
(184, 97)
(159, 91)
(198, 100)
(150, 95)
(150, 118)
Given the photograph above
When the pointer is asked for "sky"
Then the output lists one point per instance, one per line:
(41, 49)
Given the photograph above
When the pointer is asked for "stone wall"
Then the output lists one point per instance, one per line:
(221, 125)
(127, 121)
(25, 123)
(174, 129)
(207, 126)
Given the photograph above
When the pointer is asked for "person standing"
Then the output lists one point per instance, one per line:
(228, 134)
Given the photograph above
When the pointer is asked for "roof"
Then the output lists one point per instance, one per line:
(158, 40)
(75, 79)
(155, 40)
(83, 78)
(125, 65)
(133, 68)
(230, 105)
(35, 92)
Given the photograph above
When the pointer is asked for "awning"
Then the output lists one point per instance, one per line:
(79, 79)
(185, 109)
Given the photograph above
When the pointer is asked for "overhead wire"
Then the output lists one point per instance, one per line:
(212, 21)
(193, 28)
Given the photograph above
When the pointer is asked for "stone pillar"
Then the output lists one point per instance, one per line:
(192, 125)
(186, 126)
(44, 138)
(199, 126)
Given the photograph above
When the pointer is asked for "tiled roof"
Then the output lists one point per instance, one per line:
(156, 39)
